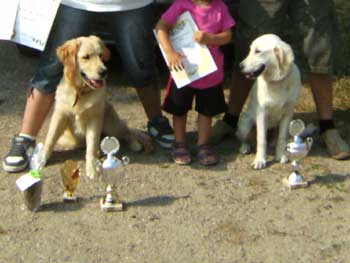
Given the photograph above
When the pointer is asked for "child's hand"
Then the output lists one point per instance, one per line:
(175, 60)
(201, 37)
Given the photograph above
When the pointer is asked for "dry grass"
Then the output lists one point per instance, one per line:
(341, 96)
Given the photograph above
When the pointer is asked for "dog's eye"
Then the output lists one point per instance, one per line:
(257, 51)
(86, 57)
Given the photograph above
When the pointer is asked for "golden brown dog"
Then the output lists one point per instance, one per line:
(81, 112)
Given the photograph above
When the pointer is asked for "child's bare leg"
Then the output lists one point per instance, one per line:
(204, 153)
(181, 154)
(179, 123)
(204, 129)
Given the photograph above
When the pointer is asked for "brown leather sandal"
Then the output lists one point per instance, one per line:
(181, 154)
(206, 156)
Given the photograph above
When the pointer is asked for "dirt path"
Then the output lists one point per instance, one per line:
(225, 214)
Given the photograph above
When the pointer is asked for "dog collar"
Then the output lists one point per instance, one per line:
(86, 88)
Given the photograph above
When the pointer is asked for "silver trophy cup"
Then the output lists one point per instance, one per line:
(113, 174)
(296, 150)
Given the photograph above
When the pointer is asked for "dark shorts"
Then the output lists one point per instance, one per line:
(313, 20)
(132, 32)
(209, 102)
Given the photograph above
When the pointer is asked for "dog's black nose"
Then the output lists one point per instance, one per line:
(102, 72)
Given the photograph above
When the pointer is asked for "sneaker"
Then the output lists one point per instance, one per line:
(337, 148)
(162, 132)
(17, 158)
(219, 131)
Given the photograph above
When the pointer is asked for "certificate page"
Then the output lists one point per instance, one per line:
(198, 61)
(8, 11)
(33, 22)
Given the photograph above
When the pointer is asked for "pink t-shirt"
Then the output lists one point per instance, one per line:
(213, 18)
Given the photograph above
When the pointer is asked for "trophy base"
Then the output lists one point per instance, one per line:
(69, 198)
(111, 207)
(295, 185)
(32, 196)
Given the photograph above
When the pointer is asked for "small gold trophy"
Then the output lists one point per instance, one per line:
(113, 172)
(70, 173)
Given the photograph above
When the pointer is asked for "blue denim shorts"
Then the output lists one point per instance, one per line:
(131, 30)
(314, 28)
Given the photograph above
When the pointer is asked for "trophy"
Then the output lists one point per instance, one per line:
(296, 150)
(70, 174)
(113, 173)
(31, 183)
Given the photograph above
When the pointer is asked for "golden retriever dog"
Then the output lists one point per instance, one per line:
(82, 113)
(273, 96)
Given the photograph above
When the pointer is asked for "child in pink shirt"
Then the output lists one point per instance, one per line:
(214, 23)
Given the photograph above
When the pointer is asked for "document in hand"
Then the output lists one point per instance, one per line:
(198, 61)
(33, 21)
(8, 12)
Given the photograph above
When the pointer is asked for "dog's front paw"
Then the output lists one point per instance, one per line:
(135, 146)
(143, 141)
(93, 168)
(245, 148)
(259, 163)
(282, 158)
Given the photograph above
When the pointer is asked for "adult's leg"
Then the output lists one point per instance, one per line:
(37, 107)
(317, 24)
(136, 46)
(238, 93)
(322, 91)
(150, 99)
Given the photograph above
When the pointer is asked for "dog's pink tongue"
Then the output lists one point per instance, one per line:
(97, 83)
(248, 75)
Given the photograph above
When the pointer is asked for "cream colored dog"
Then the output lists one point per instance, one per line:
(273, 96)
(81, 112)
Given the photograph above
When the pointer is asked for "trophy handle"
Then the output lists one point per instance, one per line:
(309, 142)
(125, 160)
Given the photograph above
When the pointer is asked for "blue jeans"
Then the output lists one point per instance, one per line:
(131, 30)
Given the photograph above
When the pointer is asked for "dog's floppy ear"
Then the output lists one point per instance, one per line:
(284, 55)
(106, 53)
(67, 54)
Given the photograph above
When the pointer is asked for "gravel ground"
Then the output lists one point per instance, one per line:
(228, 213)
